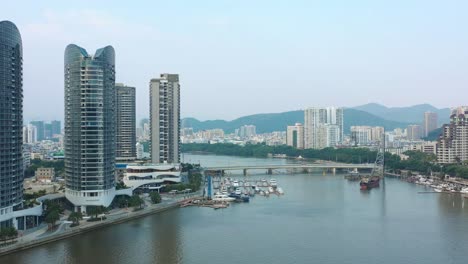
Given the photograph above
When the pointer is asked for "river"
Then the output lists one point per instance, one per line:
(320, 219)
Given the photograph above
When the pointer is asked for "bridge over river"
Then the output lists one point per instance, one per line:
(301, 167)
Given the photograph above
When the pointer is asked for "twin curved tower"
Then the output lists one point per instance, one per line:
(89, 126)
(11, 121)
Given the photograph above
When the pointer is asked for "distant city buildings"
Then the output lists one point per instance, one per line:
(247, 131)
(323, 127)
(452, 145)
(89, 127)
(365, 135)
(414, 132)
(430, 122)
(295, 136)
(165, 119)
(125, 122)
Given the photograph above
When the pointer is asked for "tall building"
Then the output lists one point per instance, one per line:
(430, 122)
(247, 131)
(139, 150)
(126, 122)
(56, 127)
(315, 118)
(40, 129)
(295, 136)
(11, 122)
(31, 134)
(165, 119)
(47, 131)
(452, 145)
(414, 132)
(89, 126)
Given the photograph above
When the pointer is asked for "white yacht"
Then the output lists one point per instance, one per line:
(238, 191)
(280, 190)
(273, 182)
(235, 183)
(271, 190)
(223, 198)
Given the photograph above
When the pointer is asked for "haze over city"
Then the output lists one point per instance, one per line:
(234, 54)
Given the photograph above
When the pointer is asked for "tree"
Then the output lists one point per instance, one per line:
(7, 233)
(94, 211)
(75, 217)
(52, 217)
(155, 197)
(136, 201)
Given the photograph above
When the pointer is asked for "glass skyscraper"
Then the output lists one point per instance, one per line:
(11, 121)
(89, 126)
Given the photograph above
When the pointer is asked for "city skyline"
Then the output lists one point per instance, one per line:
(360, 67)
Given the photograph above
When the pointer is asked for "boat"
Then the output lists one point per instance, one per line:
(437, 190)
(235, 183)
(223, 198)
(238, 191)
(280, 190)
(245, 198)
(273, 182)
(270, 190)
(369, 183)
(262, 193)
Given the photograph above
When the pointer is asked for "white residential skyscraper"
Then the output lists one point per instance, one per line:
(295, 136)
(165, 119)
(317, 127)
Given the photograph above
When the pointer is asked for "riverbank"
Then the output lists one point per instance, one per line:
(90, 226)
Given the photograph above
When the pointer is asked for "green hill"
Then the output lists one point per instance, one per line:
(411, 114)
(279, 121)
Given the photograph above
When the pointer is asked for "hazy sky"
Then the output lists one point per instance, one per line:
(244, 57)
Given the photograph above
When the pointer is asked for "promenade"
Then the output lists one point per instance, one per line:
(42, 235)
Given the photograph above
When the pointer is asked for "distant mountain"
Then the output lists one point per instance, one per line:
(278, 122)
(412, 114)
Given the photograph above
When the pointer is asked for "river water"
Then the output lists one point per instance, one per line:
(320, 219)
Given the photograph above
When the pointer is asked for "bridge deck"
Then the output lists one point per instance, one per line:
(293, 166)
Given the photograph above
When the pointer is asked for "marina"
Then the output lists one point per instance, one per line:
(318, 216)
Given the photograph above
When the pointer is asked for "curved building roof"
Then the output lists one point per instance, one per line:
(10, 35)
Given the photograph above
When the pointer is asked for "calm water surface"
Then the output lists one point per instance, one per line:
(320, 219)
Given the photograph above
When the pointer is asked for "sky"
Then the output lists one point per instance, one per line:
(244, 57)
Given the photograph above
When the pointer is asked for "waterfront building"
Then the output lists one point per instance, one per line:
(430, 122)
(413, 132)
(295, 136)
(45, 175)
(126, 122)
(247, 131)
(89, 126)
(12, 212)
(39, 128)
(149, 177)
(314, 118)
(165, 119)
(452, 145)
(328, 135)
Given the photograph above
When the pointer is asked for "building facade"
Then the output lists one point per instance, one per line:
(165, 119)
(126, 122)
(247, 131)
(295, 136)
(364, 135)
(430, 122)
(39, 129)
(452, 145)
(89, 139)
(314, 120)
(11, 122)
(45, 175)
(414, 132)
